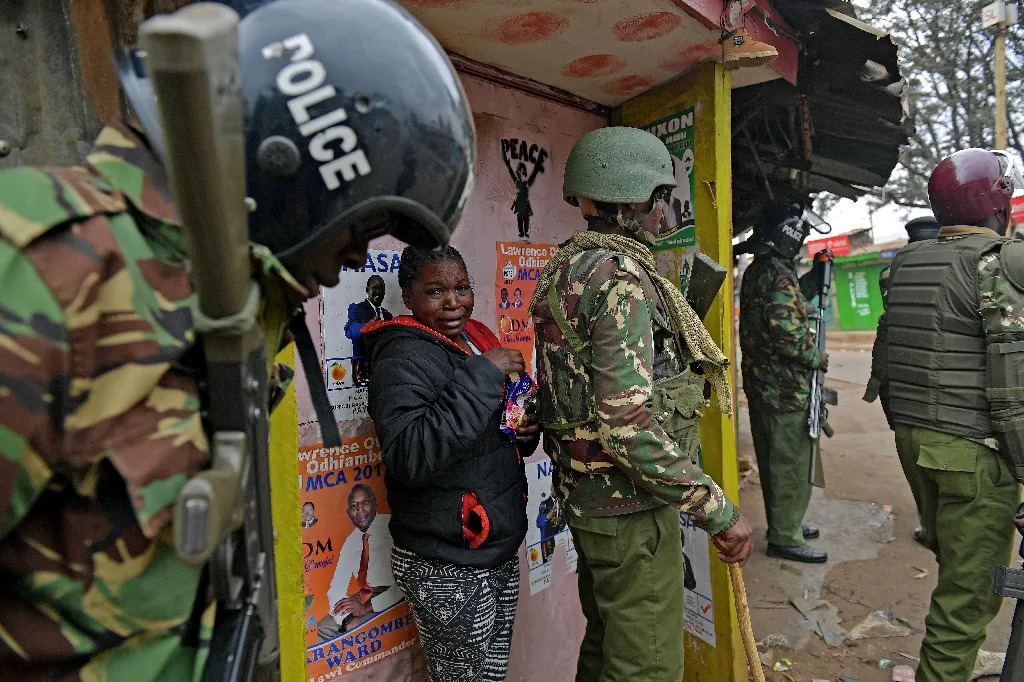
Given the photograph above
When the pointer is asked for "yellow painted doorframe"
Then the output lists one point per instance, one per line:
(707, 89)
(287, 519)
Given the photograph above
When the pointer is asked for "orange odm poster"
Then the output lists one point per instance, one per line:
(519, 265)
(355, 614)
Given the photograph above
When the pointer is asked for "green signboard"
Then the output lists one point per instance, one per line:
(857, 294)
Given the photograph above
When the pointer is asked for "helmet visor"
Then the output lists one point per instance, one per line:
(1011, 172)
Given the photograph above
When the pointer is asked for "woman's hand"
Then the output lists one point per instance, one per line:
(531, 429)
(508, 360)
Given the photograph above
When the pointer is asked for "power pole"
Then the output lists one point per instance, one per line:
(1000, 15)
(1001, 85)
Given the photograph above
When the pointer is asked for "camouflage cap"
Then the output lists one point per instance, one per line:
(618, 165)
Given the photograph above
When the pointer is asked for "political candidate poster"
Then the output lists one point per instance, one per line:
(356, 616)
(518, 267)
(363, 295)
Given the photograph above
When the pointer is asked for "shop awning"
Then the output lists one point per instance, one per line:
(839, 129)
(604, 51)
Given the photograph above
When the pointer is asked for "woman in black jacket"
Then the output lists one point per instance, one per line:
(456, 483)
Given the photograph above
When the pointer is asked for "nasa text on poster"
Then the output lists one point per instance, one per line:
(546, 528)
(369, 293)
(518, 268)
(699, 605)
(356, 616)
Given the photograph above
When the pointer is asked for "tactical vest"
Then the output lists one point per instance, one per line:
(937, 357)
(566, 414)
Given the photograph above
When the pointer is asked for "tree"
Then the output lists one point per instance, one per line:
(948, 60)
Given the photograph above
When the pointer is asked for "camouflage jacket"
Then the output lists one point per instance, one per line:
(776, 339)
(99, 423)
(611, 454)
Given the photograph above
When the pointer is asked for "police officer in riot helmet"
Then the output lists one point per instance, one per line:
(779, 359)
(953, 328)
(355, 127)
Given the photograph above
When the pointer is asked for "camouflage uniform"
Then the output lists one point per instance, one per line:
(779, 358)
(100, 423)
(620, 477)
(964, 489)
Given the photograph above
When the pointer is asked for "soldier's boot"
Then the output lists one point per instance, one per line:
(740, 50)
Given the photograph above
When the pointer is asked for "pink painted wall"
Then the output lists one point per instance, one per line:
(549, 624)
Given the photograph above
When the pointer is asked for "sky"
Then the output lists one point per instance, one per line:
(888, 221)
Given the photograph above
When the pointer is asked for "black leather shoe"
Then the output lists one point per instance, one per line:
(920, 537)
(805, 554)
(810, 532)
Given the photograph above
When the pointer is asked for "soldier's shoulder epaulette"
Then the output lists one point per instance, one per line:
(35, 200)
(602, 264)
(1011, 261)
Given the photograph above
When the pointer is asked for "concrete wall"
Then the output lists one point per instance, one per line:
(57, 76)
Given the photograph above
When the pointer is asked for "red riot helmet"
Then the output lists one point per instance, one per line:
(970, 185)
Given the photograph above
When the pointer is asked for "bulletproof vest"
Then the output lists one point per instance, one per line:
(937, 358)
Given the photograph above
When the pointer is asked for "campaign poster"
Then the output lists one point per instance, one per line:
(678, 223)
(699, 605)
(356, 616)
(365, 294)
(546, 529)
(519, 266)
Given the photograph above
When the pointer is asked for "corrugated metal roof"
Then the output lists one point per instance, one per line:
(839, 129)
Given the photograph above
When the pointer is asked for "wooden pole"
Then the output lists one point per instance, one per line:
(1001, 86)
(739, 592)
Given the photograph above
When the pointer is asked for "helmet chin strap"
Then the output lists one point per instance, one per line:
(635, 226)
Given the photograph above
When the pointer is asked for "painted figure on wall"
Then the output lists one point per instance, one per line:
(518, 156)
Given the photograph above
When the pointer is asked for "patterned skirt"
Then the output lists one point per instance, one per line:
(464, 615)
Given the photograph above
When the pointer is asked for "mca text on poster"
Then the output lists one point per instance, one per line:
(356, 646)
(353, 461)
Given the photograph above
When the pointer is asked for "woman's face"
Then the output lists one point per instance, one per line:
(441, 297)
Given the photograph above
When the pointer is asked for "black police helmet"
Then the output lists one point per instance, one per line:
(782, 228)
(354, 120)
(919, 229)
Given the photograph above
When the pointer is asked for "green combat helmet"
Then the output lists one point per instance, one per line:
(618, 165)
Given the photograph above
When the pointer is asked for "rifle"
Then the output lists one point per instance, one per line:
(817, 419)
(706, 278)
(222, 516)
(1010, 583)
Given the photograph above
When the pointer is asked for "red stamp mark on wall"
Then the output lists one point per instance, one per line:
(594, 65)
(646, 26)
(627, 85)
(521, 29)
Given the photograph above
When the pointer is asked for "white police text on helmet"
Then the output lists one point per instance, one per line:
(302, 79)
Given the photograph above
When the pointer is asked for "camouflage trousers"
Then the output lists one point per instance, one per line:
(966, 497)
(631, 591)
(783, 451)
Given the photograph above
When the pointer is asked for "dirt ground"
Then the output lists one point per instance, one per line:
(873, 562)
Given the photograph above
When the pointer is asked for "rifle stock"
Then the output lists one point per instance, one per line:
(222, 515)
(1010, 583)
(706, 279)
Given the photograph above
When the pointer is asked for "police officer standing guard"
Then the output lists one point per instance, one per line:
(619, 405)
(918, 230)
(955, 332)
(101, 411)
(779, 358)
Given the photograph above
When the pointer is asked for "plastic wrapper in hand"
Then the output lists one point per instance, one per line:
(520, 393)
